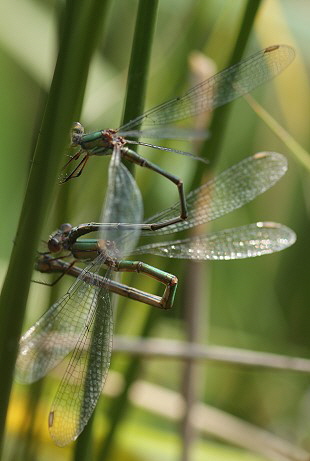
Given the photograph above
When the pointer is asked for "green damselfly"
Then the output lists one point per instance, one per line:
(82, 319)
(216, 91)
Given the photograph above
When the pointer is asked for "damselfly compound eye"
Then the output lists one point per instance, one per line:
(54, 245)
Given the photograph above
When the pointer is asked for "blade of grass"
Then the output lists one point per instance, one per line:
(299, 152)
(68, 84)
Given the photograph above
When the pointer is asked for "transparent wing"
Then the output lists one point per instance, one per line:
(167, 132)
(223, 87)
(228, 191)
(123, 204)
(55, 334)
(86, 373)
(168, 149)
(241, 242)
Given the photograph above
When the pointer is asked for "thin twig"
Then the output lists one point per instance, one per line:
(183, 350)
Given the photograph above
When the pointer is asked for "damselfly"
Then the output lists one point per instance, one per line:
(216, 91)
(82, 319)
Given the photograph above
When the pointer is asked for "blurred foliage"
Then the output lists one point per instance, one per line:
(259, 304)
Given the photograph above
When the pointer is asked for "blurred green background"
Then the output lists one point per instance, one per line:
(259, 304)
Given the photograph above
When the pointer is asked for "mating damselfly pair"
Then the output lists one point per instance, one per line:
(81, 321)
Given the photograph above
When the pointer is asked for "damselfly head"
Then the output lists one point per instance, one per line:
(54, 245)
(40, 263)
(57, 238)
(46, 263)
(77, 132)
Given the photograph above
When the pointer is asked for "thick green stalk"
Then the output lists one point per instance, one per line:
(139, 62)
(66, 91)
(119, 406)
(83, 448)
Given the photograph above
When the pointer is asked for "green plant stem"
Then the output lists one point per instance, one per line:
(139, 63)
(120, 404)
(83, 448)
(66, 91)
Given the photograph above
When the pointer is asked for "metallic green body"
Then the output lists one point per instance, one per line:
(93, 140)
